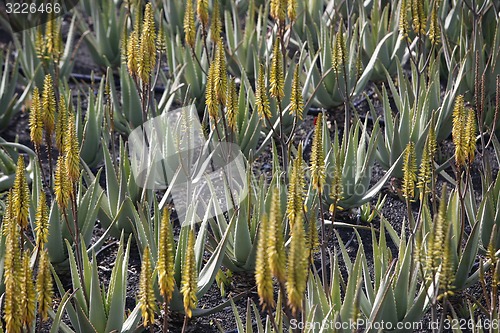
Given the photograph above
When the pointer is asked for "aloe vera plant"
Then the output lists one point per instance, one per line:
(88, 202)
(147, 235)
(119, 200)
(328, 89)
(104, 39)
(373, 34)
(96, 309)
(10, 103)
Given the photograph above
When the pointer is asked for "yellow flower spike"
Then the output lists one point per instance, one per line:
(292, 9)
(437, 238)
(470, 134)
(49, 38)
(21, 195)
(189, 27)
(434, 30)
(36, 119)
(133, 53)
(447, 272)
(297, 268)
(337, 188)
(220, 78)
(279, 10)
(458, 131)
(189, 284)
(210, 94)
(147, 46)
(496, 274)
(146, 292)
(72, 151)
(403, 19)
(202, 12)
(276, 77)
(160, 39)
(312, 237)
(12, 269)
(409, 171)
(28, 294)
(431, 143)
(231, 104)
(53, 38)
(419, 16)
(124, 45)
(295, 201)
(216, 26)
(48, 105)
(424, 173)
(458, 111)
(417, 254)
(61, 124)
(339, 56)
(261, 99)
(62, 186)
(166, 261)
(39, 43)
(296, 99)
(42, 221)
(7, 216)
(317, 156)
(57, 37)
(44, 286)
(441, 222)
(263, 275)
(276, 248)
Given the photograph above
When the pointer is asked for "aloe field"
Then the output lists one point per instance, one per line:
(249, 166)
